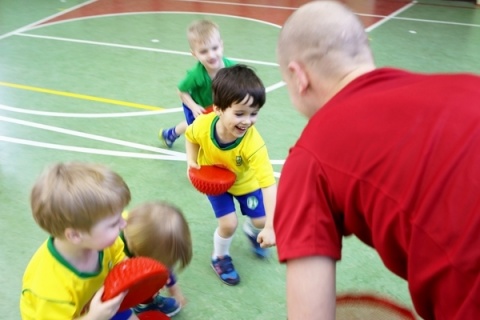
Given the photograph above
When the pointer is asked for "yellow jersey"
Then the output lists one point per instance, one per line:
(53, 289)
(247, 157)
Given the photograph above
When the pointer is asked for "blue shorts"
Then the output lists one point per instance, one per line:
(251, 204)
(124, 315)
(188, 114)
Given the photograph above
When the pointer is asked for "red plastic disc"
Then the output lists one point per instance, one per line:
(208, 109)
(212, 180)
(141, 276)
(152, 315)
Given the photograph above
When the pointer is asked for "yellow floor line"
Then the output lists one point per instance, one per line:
(80, 96)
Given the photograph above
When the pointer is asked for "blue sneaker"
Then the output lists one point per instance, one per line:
(165, 305)
(168, 136)
(225, 270)
(259, 251)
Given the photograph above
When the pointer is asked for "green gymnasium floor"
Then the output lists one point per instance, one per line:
(95, 80)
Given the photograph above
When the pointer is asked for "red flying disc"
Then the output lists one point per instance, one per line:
(152, 315)
(208, 109)
(141, 276)
(211, 180)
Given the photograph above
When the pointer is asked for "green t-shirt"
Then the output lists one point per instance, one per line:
(198, 84)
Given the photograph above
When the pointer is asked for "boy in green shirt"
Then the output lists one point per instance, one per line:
(195, 90)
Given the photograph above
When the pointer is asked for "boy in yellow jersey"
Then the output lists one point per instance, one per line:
(195, 89)
(159, 230)
(80, 206)
(227, 138)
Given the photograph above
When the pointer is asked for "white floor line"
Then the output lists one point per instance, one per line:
(22, 29)
(390, 16)
(91, 150)
(93, 137)
(89, 115)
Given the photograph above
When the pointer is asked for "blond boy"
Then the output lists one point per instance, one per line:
(80, 206)
(195, 89)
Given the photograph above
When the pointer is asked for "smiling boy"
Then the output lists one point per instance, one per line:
(227, 138)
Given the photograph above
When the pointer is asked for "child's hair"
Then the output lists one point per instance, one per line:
(200, 31)
(159, 230)
(76, 195)
(234, 84)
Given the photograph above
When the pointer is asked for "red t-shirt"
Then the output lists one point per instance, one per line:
(394, 158)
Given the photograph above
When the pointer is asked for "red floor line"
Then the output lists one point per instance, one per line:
(247, 9)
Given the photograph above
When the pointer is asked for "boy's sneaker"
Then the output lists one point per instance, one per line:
(165, 305)
(168, 136)
(225, 270)
(257, 249)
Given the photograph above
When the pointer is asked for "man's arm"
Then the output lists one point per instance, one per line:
(311, 292)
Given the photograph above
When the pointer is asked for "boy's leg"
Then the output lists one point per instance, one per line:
(251, 231)
(224, 209)
(168, 136)
(221, 261)
(252, 206)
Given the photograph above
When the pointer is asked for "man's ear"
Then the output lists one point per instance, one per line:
(73, 235)
(299, 76)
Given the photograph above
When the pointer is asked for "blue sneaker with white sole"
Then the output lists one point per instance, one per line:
(165, 305)
(225, 270)
(168, 136)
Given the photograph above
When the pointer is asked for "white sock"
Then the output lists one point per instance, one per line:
(221, 246)
(250, 229)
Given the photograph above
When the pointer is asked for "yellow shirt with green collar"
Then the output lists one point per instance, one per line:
(247, 157)
(53, 289)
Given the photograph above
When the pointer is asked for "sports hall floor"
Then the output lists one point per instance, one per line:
(95, 80)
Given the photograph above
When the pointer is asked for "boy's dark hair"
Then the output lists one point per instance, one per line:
(233, 84)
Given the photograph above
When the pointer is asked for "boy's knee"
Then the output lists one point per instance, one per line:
(228, 224)
(258, 223)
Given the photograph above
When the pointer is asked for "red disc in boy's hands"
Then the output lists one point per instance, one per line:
(152, 315)
(211, 180)
(208, 109)
(141, 276)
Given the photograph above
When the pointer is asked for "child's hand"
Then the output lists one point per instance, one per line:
(180, 299)
(176, 293)
(193, 164)
(266, 237)
(198, 110)
(100, 310)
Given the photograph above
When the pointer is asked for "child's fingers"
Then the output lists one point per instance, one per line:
(193, 165)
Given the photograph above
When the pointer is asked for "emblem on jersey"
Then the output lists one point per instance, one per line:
(252, 202)
(238, 161)
(110, 265)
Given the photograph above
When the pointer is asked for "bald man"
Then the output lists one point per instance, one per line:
(389, 156)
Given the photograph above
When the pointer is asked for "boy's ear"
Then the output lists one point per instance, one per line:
(73, 235)
(217, 110)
